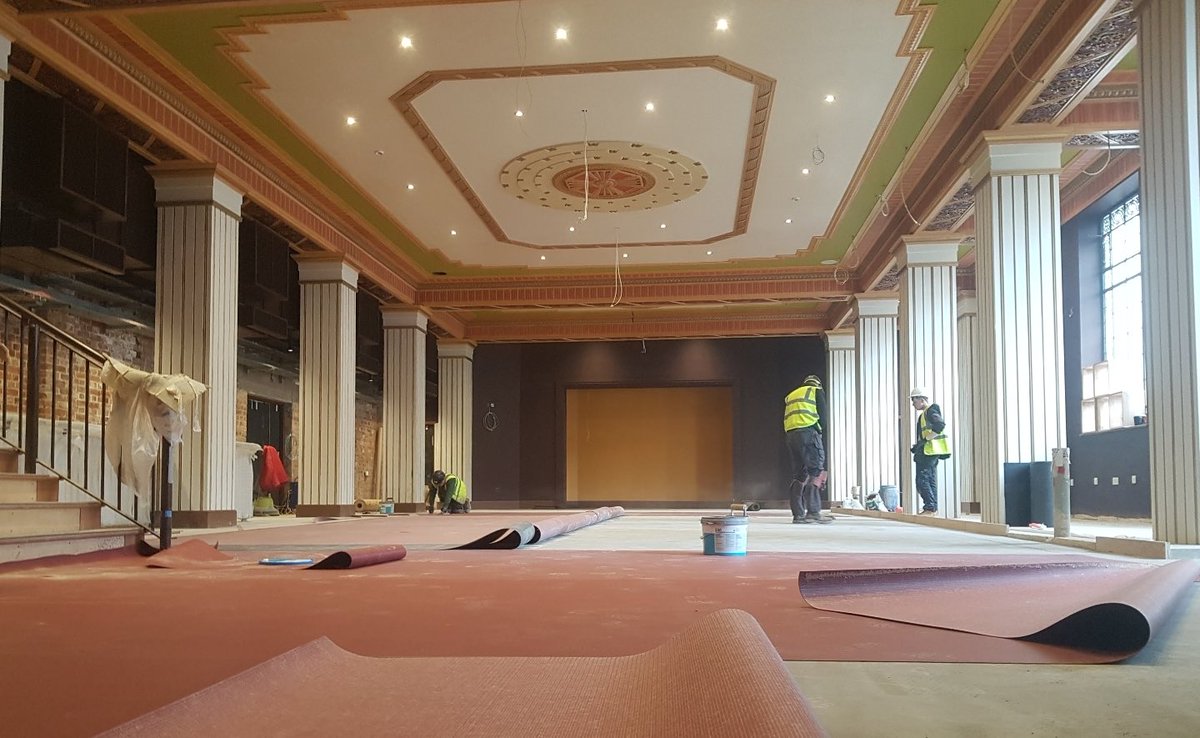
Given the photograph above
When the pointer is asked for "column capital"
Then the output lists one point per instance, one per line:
(968, 304)
(1034, 151)
(404, 316)
(929, 249)
(326, 267)
(877, 304)
(455, 349)
(840, 340)
(191, 183)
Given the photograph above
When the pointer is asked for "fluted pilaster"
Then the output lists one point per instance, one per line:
(453, 433)
(842, 398)
(328, 322)
(195, 329)
(404, 330)
(878, 381)
(968, 309)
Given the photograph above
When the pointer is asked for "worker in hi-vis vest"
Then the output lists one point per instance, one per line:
(931, 446)
(804, 414)
(450, 491)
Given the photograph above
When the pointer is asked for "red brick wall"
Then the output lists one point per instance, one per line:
(368, 418)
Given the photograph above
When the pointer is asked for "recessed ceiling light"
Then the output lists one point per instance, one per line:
(788, 221)
(543, 257)
(351, 120)
(662, 225)
(405, 42)
(378, 152)
(830, 98)
(804, 170)
(520, 113)
(624, 256)
(828, 262)
(560, 34)
(709, 253)
(412, 186)
(649, 107)
(453, 232)
(722, 24)
(571, 229)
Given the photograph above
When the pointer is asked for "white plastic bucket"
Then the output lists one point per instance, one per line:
(724, 535)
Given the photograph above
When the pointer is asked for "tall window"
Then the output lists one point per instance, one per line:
(1122, 301)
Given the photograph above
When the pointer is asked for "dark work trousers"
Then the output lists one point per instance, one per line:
(927, 481)
(807, 453)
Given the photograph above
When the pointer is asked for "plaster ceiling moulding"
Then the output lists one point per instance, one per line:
(890, 281)
(953, 212)
(619, 176)
(1097, 53)
(644, 327)
(1106, 140)
(665, 166)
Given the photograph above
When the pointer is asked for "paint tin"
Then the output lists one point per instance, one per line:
(387, 508)
(725, 535)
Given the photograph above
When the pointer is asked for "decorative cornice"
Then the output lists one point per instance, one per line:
(1098, 52)
(953, 212)
(598, 290)
(645, 326)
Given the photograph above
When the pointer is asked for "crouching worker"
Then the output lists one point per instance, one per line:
(450, 491)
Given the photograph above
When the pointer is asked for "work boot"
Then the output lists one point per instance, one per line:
(429, 510)
(800, 519)
(819, 519)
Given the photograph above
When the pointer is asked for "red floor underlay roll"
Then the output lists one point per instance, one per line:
(1099, 606)
(521, 534)
(720, 677)
(356, 558)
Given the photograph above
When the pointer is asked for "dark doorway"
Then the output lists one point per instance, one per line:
(269, 423)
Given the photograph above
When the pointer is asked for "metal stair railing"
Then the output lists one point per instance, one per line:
(55, 410)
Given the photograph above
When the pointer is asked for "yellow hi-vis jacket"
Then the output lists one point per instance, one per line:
(937, 445)
(456, 489)
(800, 408)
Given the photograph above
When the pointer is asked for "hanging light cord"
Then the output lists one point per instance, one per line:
(587, 177)
(618, 283)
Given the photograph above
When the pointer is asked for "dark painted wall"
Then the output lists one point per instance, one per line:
(524, 459)
(1122, 452)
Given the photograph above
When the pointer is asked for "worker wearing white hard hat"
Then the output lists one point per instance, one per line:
(932, 446)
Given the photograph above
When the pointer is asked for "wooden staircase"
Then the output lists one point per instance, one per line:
(34, 523)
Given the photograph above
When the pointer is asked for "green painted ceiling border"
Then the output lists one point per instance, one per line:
(191, 37)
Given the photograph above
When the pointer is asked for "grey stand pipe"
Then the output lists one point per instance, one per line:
(1062, 492)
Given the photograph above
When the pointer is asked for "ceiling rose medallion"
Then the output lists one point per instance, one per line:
(619, 176)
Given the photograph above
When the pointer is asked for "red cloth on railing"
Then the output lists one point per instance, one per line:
(273, 475)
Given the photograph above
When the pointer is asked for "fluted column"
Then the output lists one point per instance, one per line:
(842, 399)
(1018, 281)
(195, 329)
(968, 308)
(1168, 40)
(878, 381)
(404, 330)
(5, 49)
(328, 322)
(452, 434)
(929, 352)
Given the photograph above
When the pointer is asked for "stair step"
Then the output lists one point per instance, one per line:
(38, 518)
(28, 487)
(26, 547)
(9, 460)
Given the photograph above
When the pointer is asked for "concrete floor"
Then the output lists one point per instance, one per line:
(1152, 695)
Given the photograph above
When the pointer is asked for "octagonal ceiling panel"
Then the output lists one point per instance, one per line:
(461, 132)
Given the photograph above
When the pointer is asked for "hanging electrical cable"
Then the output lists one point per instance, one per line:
(618, 283)
(1107, 159)
(587, 177)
